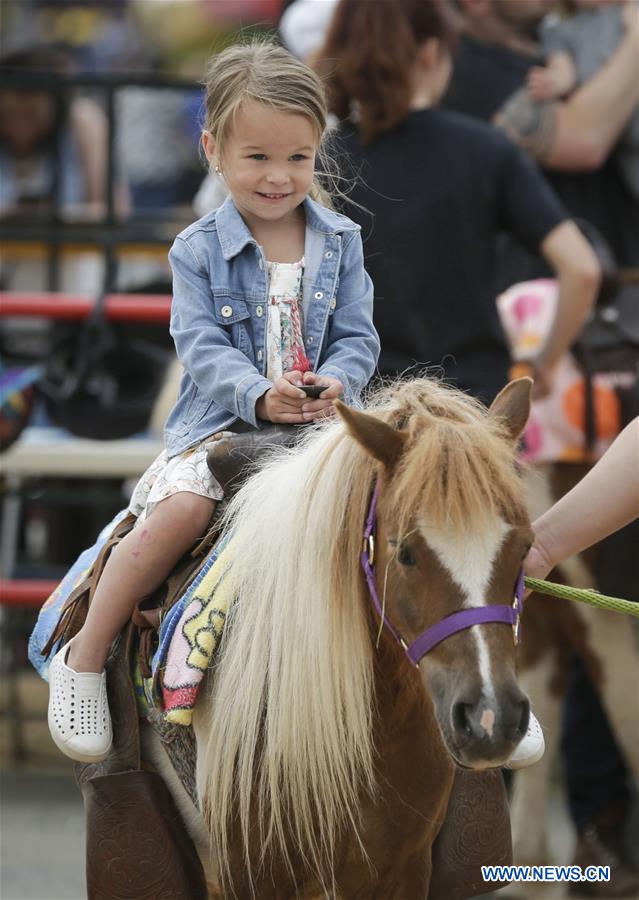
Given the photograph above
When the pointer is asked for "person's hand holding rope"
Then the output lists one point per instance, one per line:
(605, 500)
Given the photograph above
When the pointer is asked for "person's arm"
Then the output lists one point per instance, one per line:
(579, 133)
(219, 369)
(578, 276)
(90, 131)
(605, 500)
(530, 211)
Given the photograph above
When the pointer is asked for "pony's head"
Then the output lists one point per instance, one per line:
(452, 531)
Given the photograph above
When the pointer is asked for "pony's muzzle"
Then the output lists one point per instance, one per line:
(485, 731)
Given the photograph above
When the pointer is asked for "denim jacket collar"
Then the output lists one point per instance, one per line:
(234, 234)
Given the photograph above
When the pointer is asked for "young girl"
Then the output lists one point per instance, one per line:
(269, 294)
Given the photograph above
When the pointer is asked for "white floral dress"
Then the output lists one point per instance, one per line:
(189, 471)
(285, 326)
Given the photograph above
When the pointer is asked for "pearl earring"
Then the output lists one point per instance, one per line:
(218, 171)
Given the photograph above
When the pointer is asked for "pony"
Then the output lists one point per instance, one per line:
(325, 754)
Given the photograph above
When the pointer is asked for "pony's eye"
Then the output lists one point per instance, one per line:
(404, 555)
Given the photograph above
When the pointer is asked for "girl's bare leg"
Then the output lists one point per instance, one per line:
(138, 565)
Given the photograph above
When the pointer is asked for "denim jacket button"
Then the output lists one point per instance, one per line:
(318, 295)
(259, 311)
(309, 341)
(328, 254)
(260, 354)
(333, 303)
(226, 311)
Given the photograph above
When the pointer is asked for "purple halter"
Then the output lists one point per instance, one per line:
(459, 621)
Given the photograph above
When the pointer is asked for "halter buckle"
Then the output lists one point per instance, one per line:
(369, 548)
(517, 622)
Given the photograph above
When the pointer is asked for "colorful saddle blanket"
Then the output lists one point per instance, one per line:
(188, 637)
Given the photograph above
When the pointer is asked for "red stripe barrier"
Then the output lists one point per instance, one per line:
(118, 307)
(152, 308)
(25, 592)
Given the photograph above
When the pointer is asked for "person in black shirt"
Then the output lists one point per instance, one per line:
(432, 191)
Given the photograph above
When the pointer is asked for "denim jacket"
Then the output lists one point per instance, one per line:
(219, 310)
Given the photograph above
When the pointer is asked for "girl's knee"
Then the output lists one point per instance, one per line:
(187, 510)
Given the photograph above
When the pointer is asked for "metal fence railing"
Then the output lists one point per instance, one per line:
(108, 232)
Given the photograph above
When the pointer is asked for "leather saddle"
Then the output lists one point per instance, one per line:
(137, 845)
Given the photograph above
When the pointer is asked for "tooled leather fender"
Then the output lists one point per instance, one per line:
(475, 833)
(137, 845)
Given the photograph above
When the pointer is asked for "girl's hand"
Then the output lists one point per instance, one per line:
(322, 407)
(283, 402)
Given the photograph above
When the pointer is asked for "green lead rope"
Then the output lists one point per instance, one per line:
(593, 598)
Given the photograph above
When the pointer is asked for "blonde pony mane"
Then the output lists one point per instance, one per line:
(289, 751)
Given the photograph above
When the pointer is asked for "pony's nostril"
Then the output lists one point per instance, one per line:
(524, 717)
(461, 718)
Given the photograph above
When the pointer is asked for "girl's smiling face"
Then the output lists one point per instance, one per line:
(267, 160)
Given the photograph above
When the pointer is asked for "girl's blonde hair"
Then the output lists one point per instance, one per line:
(266, 73)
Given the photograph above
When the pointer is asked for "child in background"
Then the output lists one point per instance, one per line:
(269, 295)
(577, 48)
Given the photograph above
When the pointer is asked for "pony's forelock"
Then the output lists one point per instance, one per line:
(458, 470)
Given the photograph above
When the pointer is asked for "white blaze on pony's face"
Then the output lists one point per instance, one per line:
(434, 573)
(470, 566)
(469, 563)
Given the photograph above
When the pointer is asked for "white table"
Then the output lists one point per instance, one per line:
(54, 453)
(51, 452)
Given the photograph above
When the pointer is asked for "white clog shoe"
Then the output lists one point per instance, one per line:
(78, 716)
(531, 747)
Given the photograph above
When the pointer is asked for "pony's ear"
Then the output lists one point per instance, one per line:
(380, 440)
(512, 405)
